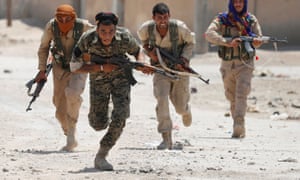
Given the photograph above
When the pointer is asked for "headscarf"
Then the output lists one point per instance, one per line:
(239, 20)
(65, 10)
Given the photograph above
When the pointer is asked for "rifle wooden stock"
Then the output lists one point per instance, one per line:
(189, 71)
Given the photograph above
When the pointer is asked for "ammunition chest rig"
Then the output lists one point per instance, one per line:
(57, 49)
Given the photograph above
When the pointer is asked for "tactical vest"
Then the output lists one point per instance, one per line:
(227, 53)
(58, 51)
(176, 50)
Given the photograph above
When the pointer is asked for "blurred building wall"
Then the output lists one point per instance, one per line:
(278, 18)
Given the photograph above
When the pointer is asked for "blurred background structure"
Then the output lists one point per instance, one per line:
(278, 18)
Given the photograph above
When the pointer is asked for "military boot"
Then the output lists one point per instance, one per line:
(100, 162)
(187, 119)
(71, 141)
(167, 141)
(239, 128)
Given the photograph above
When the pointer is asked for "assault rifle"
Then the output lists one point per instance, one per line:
(38, 88)
(172, 60)
(264, 39)
(127, 63)
(247, 40)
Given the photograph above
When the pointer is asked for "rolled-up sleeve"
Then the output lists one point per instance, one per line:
(213, 33)
(256, 28)
(188, 38)
(44, 47)
(143, 33)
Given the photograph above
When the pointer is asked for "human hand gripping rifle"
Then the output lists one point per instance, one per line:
(126, 62)
(188, 70)
(38, 88)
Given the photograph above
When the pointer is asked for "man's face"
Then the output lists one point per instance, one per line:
(161, 20)
(106, 33)
(238, 5)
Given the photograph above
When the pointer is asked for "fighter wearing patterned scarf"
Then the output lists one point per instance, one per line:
(239, 19)
(237, 64)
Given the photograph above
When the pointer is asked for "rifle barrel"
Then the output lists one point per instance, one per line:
(121, 61)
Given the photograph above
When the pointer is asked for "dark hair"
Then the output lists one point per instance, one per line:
(106, 18)
(160, 8)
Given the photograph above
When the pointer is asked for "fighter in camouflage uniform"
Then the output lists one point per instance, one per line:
(237, 64)
(107, 80)
(60, 36)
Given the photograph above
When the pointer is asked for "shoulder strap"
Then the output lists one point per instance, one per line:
(57, 42)
(174, 37)
(59, 48)
(77, 32)
(151, 34)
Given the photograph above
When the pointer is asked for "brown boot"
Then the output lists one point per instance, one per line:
(100, 162)
(187, 119)
(239, 128)
(71, 141)
(167, 141)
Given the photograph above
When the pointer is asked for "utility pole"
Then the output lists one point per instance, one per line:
(200, 22)
(8, 12)
(118, 8)
(83, 9)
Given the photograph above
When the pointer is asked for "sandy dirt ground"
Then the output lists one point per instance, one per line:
(30, 142)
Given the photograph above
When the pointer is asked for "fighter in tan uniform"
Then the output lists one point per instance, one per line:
(174, 36)
(237, 62)
(60, 35)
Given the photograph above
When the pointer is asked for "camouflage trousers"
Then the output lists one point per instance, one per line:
(177, 91)
(68, 88)
(237, 77)
(102, 88)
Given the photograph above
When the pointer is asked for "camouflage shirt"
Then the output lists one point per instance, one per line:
(122, 43)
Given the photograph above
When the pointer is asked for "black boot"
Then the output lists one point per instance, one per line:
(100, 161)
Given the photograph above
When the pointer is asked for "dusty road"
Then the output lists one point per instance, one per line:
(30, 142)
